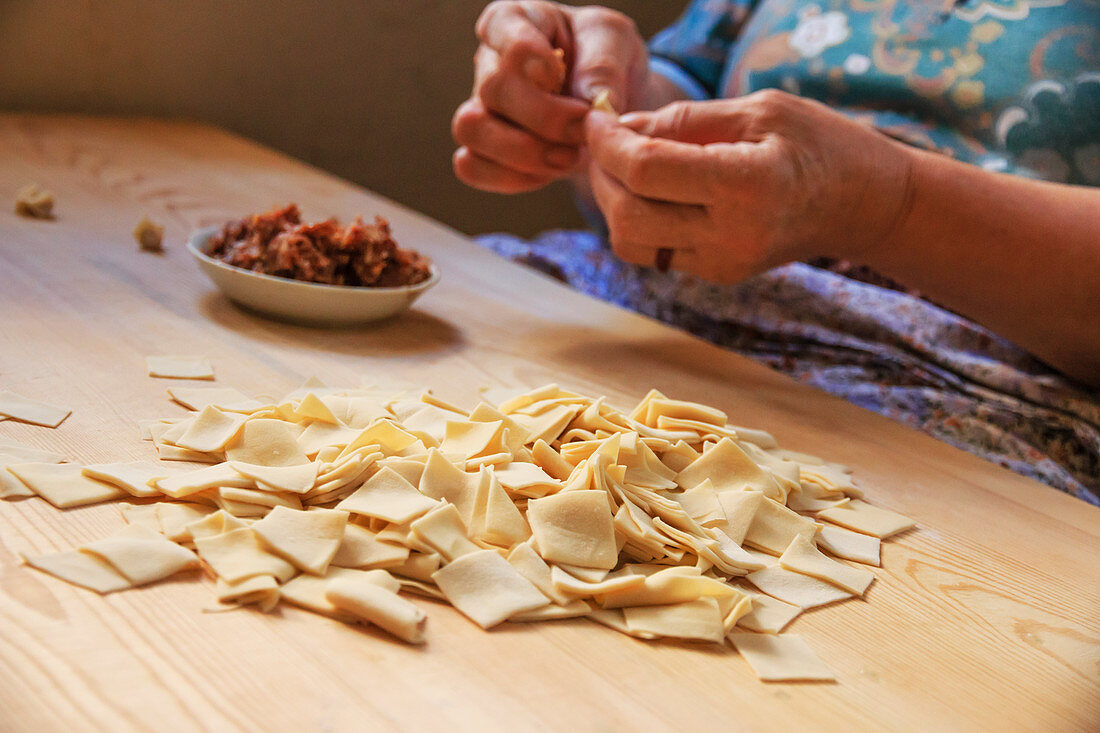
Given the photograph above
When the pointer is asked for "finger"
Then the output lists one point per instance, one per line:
(606, 47)
(493, 138)
(524, 34)
(651, 167)
(700, 123)
(484, 174)
(639, 227)
(552, 117)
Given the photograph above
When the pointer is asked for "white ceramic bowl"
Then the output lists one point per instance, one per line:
(303, 302)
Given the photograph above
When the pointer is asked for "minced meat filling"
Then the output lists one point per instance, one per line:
(278, 243)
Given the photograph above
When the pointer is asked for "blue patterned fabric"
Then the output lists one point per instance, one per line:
(1010, 85)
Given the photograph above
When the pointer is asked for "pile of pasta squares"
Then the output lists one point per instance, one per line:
(663, 521)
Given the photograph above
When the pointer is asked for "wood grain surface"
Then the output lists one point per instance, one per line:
(987, 617)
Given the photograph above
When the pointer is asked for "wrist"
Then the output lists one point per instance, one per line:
(883, 210)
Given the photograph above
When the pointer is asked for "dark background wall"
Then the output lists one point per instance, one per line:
(362, 88)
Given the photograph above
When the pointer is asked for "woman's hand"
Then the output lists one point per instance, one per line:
(735, 187)
(523, 126)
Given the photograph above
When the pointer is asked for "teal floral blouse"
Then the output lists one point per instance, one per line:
(1010, 85)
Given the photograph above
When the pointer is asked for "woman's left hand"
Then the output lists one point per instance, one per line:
(735, 187)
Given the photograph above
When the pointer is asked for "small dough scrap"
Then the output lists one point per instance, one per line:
(149, 236)
(239, 554)
(781, 658)
(134, 477)
(307, 539)
(34, 202)
(360, 549)
(862, 517)
(485, 588)
(388, 496)
(179, 367)
(699, 620)
(574, 527)
(803, 557)
(142, 555)
(442, 529)
(296, 479)
(383, 608)
(796, 588)
(267, 442)
(31, 411)
(850, 545)
(63, 484)
(80, 568)
(211, 430)
(768, 615)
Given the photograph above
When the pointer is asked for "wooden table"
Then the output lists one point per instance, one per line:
(985, 618)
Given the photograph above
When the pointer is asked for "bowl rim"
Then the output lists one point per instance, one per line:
(198, 238)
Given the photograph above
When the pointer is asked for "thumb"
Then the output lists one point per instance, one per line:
(701, 123)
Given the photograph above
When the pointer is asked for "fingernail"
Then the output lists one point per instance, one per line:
(561, 157)
(631, 118)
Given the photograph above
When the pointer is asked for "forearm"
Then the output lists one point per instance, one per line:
(1021, 257)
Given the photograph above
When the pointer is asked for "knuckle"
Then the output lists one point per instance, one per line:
(611, 19)
(491, 89)
(481, 27)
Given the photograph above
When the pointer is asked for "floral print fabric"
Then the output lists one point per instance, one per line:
(884, 350)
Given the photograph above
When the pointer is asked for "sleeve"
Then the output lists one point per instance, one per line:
(692, 52)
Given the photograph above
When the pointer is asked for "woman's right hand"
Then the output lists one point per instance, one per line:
(523, 126)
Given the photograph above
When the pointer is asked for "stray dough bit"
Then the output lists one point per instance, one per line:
(484, 587)
(31, 411)
(781, 658)
(381, 607)
(149, 236)
(179, 367)
(34, 202)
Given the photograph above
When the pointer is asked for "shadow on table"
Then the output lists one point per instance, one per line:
(410, 332)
